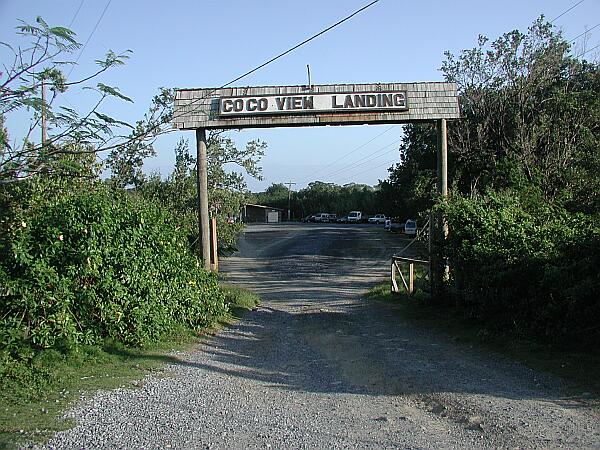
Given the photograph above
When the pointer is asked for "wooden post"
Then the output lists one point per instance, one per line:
(202, 183)
(213, 245)
(443, 156)
(438, 267)
(411, 278)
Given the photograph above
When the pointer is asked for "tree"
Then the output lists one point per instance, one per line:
(227, 190)
(37, 65)
(530, 119)
(530, 113)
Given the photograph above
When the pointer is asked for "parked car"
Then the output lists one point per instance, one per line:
(343, 219)
(393, 224)
(322, 217)
(332, 217)
(309, 218)
(354, 216)
(397, 227)
(377, 218)
(410, 227)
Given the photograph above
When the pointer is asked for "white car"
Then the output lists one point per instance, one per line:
(378, 218)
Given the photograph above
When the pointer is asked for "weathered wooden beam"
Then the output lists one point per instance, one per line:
(202, 184)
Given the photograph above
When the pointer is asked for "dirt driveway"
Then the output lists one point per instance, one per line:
(317, 366)
(369, 379)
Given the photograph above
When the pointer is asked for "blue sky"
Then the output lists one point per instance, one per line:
(207, 43)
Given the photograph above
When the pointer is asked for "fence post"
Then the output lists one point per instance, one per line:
(213, 245)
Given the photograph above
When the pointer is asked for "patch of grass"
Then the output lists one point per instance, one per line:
(34, 394)
(239, 300)
(578, 366)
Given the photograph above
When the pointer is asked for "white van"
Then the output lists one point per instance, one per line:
(354, 216)
(410, 227)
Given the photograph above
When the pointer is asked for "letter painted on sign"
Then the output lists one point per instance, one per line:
(334, 102)
(263, 104)
(348, 102)
(251, 104)
(280, 102)
(228, 106)
(359, 101)
(308, 103)
(399, 100)
(387, 100)
(296, 102)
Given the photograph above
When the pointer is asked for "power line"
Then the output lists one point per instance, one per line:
(371, 168)
(587, 51)
(350, 152)
(90, 36)
(361, 161)
(76, 13)
(584, 33)
(565, 12)
(302, 43)
(278, 56)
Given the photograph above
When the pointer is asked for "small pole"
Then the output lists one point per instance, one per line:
(289, 185)
(202, 183)
(213, 245)
(44, 127)
(411, 278)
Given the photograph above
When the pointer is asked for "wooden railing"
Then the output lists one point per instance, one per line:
(407, 281)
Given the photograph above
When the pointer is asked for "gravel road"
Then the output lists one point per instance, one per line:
(317, 366)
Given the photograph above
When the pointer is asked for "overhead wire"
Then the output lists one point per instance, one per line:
(196, 100)
(584, 33)
(566, 11)
(90, 36)
(587, 51)
(369, 169)
(364, 160)
(350, 152)
(301, 43)
(76, 13)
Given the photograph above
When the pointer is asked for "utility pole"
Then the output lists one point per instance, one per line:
(289, 185)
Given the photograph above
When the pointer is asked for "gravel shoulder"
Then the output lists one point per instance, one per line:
(317, 366)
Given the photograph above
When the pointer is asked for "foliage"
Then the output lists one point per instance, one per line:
(87, 264)
(525, 265)
(318, 197)
(227, 192)
(37, 61)
(525, 195)
(410, 188)
(125, 161)
(531, 115)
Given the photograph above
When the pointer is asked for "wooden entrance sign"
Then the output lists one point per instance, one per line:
(305, 106)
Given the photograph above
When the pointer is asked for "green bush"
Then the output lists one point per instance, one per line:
(524, 265)
(92, 264)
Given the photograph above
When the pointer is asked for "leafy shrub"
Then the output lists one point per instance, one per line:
(93, 264)
(523, 264)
